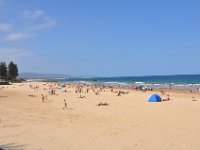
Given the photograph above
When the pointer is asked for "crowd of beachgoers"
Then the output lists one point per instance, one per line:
(81, 90)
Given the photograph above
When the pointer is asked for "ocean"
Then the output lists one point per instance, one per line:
(183, 82)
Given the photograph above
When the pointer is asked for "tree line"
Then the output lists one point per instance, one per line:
(9, 72)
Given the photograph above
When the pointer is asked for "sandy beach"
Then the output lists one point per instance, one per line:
(128, 122)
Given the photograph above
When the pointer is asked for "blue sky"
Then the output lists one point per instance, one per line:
(101, 38)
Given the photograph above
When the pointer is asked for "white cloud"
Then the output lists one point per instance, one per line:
(32, 14)
(46, 24)
(29, 23)
(5, 27)
(43, 23)
(8, 54)
(17, 36)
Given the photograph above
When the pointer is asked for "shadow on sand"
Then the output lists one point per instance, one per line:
(3, 96)
(48, 101)
(70, 108)
(11, 146)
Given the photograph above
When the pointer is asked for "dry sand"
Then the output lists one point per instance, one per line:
(129, 122)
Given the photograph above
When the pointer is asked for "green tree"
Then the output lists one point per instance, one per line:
(3, 71)
(12, 71)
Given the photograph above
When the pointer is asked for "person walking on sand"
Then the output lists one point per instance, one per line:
(65, 105)
(42, 97)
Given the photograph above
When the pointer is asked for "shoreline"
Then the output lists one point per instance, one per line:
(157, 86)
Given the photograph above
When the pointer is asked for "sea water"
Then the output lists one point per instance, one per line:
(183, 82)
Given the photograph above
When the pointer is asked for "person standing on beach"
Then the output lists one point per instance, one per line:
(168, 97)
(65, 105)
(42, 97)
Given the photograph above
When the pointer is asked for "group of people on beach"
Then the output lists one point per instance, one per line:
(96, 89)
(82, 90)
(79, 89)
(167, 98)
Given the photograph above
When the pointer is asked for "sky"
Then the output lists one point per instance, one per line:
(101, 38)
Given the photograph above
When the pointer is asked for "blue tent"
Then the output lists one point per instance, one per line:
(155, 98)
